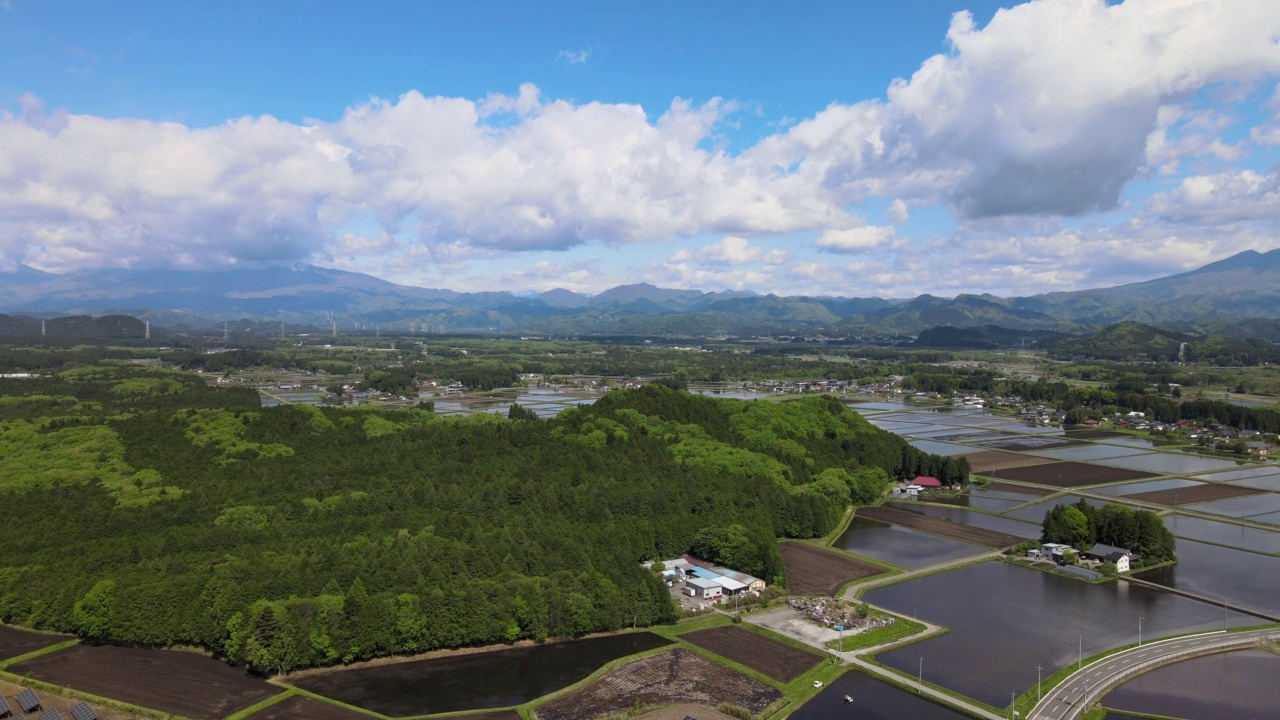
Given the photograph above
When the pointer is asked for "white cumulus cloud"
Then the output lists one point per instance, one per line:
(855, 239)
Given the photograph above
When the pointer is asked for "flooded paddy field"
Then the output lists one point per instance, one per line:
(1240, 684)
(1269, 518)
(964, 516)
(900, 546)
(987, 460)
(1035, 513)
(1243, 579)
(1006, 619)
(1221, 533)
(1043, 441)
(1260, 482)
(1170, 464)
(940, 448)
(474, 681)
(1248, 505)
(1147, 486)
(1244, 472)
(872, 700)
(980, 501)
(1090, 452)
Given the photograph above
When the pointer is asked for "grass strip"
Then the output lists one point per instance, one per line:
(263, 704)
(38, 653)
(901, 628)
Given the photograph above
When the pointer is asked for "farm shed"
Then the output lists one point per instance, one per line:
(701, 588)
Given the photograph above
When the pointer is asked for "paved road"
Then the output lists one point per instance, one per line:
(1086, 686)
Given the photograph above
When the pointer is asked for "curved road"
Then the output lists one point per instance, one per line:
(1086, 686)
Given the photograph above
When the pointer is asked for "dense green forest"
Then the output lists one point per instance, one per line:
(150, 508)
(1082, 525)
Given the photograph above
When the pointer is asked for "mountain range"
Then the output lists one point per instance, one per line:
(1238, 296)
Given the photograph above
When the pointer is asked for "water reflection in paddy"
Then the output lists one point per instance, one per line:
(1169, 463)
(1240, 684)
(1089, 452)
(475, 681)
(1248, 471)
(1035, 512)
(1134, 488)
(976, 519)
(1243, 506)
(1243, 579)
(1006, 619)
(1194, 528)
(940, 448)
(901, 546)
(872, 700)
(1262, 482)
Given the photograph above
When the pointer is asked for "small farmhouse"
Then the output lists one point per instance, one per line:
(1122, 558)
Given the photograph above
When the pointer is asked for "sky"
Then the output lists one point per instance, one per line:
(818, 148)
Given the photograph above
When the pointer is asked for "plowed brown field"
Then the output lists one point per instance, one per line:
(1072, 474)
(175, 682)
(1193, 494)
(767, 656)
(15, 642)
(814, 571)
(940, 526)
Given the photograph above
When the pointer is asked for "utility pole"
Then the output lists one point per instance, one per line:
(920, 678)
(42, 331)
(1012, 697)
(147, 323)
(1079, 653)
(1140, 619)
(1038, 669)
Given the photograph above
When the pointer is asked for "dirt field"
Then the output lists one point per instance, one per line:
(1072, 474)
(300, 707)
(988, 460)
(15, 642)
(1020, 489)
(812, 570)
(767, 656)
(940, 526)
(679, 676)
(679, 712)
(63, 705)
(175, 682)
(1193, 494)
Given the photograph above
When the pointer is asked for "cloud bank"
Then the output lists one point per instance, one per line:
(1050, 111)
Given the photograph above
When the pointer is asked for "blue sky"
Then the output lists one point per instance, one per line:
(821, 148)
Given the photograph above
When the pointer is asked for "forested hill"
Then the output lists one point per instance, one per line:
(147, 508)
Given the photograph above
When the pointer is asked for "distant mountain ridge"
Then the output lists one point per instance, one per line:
(1238, 296)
